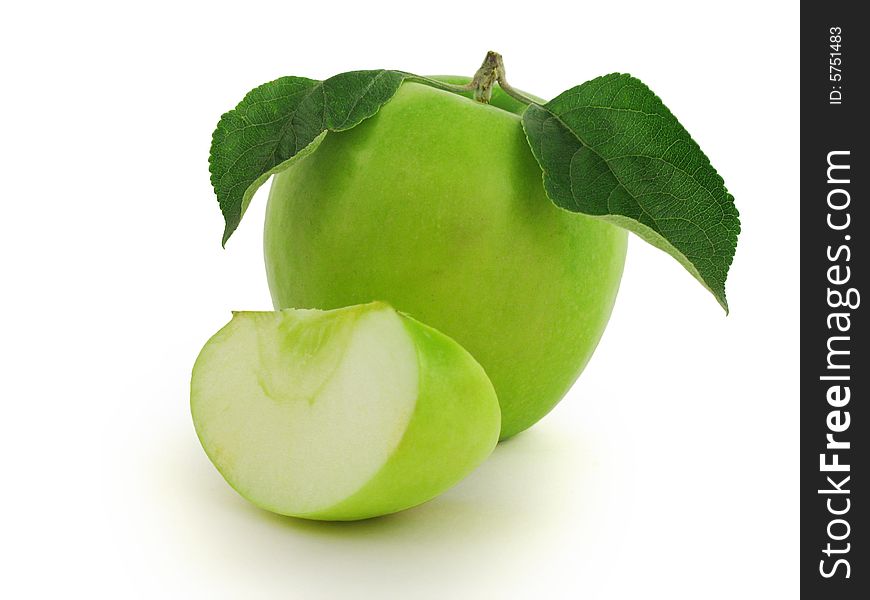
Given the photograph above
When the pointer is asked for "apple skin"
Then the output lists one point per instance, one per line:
(436, 206)
(454, 428)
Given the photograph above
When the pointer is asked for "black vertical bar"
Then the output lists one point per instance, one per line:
(835, 364)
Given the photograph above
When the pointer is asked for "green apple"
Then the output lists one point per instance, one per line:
(436, 205)
(343, 414)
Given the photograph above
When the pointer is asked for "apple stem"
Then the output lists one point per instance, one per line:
(489, 73)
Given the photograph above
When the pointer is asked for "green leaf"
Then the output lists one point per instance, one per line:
(611, 149)
(281, 121)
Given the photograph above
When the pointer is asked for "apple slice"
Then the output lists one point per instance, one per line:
(343, 414)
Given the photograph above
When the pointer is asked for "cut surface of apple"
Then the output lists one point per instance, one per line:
(342, 414)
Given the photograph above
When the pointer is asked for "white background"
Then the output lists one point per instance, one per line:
(670, 470)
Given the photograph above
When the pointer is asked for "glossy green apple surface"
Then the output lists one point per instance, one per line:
(340, 415)
(436, 205)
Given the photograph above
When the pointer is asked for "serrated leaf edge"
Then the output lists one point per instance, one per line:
(645, 232)
(231, 221)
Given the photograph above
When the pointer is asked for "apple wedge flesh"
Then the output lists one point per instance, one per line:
(343, 414)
